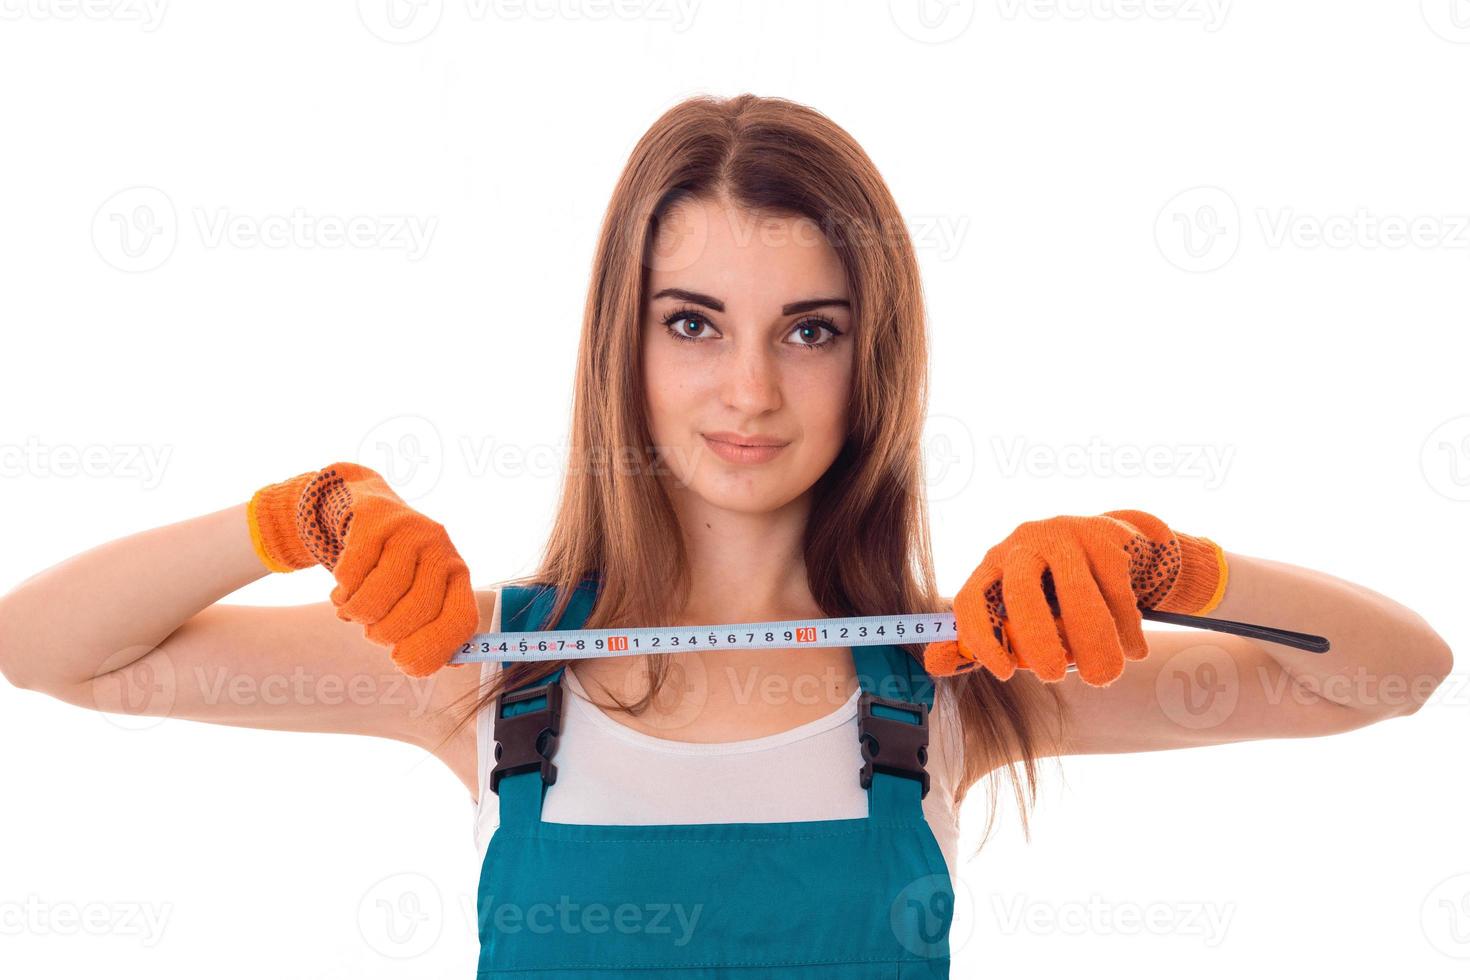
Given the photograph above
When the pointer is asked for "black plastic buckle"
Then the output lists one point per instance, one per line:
(527, 741)
(896, 747)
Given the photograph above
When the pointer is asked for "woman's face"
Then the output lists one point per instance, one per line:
(747, 337)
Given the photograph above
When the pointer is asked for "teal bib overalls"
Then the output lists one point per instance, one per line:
(847, 899)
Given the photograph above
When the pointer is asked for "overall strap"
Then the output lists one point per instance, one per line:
(528, 718)
(893, 728)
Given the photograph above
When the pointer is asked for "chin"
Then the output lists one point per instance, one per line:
(745, 497)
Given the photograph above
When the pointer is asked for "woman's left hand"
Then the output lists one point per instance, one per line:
(1069, 589)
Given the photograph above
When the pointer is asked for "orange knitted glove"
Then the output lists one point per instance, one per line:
(397, 571)
(1069, 590)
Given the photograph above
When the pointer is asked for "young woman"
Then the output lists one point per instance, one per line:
(750, 393)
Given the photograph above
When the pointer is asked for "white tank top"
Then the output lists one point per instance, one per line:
(608, 773)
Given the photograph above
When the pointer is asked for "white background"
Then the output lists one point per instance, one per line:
(1179, 224)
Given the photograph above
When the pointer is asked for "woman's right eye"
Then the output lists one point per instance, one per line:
(671, 322)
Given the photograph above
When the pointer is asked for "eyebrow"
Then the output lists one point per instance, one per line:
(801, 306)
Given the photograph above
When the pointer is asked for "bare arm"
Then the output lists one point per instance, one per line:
(1204, 688)
(135, 625)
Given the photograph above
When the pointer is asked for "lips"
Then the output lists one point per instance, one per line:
(736, 439)
(733, 452)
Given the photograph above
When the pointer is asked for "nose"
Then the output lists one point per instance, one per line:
(751, 377)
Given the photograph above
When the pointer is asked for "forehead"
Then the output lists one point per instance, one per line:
(717, 248)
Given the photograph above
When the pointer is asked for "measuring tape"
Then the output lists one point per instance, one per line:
(846, 631)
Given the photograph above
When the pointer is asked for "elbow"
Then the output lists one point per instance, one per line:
(1434, 662)
(13, 675)
(12, 668)
(17, 666)
(15, 672)
(8, 662)
(1439, 658)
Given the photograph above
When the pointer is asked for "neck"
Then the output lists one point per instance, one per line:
(744, 567)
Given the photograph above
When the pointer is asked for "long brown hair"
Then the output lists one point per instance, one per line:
(772, 157)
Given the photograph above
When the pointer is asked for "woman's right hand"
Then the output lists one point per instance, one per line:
(397, 571)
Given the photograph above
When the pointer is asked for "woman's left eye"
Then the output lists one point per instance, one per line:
(816, 325)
